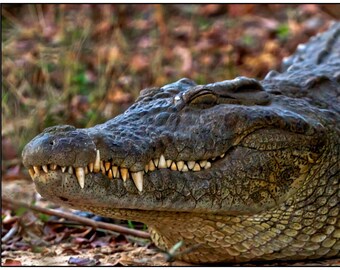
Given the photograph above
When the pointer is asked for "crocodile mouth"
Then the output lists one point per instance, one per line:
(114, 171)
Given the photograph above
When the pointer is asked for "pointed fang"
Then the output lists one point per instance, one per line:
(162, 163)
(31, 172)
(36, 169)
(96, 167)
(45, 168)
(124, 173)
(138, 180)
(114, 171)
(107, 166)
(80, 173)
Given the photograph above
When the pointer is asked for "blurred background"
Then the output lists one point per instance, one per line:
(81, 64)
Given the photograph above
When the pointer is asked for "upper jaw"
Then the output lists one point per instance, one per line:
(111, 170)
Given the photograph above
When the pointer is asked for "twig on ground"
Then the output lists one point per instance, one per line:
(95, 224)
(10, 233)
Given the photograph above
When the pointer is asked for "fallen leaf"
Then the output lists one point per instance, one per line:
(10, 262)
(83, 261)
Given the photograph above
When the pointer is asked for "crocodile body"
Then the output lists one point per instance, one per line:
(238, 170)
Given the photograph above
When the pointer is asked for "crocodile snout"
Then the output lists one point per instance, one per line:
(60, 145)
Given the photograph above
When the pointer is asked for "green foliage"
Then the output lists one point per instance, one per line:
(130, 224)
(247, 40)
(43, 217)
(283, 31)
(20, 211)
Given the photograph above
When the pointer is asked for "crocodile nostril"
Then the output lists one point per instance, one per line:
(51, 142)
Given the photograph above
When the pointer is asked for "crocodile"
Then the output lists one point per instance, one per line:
(236, 171)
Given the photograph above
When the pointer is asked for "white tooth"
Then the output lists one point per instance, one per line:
(138, 180)
(45, 168)
(208, 165)
(80, 173)
(151, 166)
(155, 161)
(146, 169)
(53, 167)
(70, 170)
(36, 169)
(63, 169)
(168, 163)
(86, 170)
(124, 173)
(203, 163)
(222, 156)
(213, 158)
(96, 167)
(180, 165)
(91, 167)
(102, 168)
(185, 168)
(31, 172)
(196, 167)
(109, 174)
(114, 171)
(173, 166)
(162, 163)
(107, 166)
(191, 164)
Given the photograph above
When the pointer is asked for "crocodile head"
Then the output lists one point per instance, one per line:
(222, 148)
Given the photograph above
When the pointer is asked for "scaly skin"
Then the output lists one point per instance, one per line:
(250, 170)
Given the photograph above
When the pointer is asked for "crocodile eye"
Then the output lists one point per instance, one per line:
(206, 99)
(203, 98)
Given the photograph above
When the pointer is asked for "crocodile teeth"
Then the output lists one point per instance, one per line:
(208, 165)
(86, 170)
(196, 167)
(191, 164)
(114, 171)
(91, 167)
(146, 168)
(109, 174)
(80, 173)
(168, 163)
(124, 173)
(162, 163)
(102, 168)
(203, 163)
(151, 166)
(185, 168)
(155, 161)
(96, 167)
(107, 166)
(173, 166)
(63, 169)
(31, 172)
(45, 169)
(70, 170)
(36, 169)
(138, 180)
(222, 156)
(53, 167)
(180, 165)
